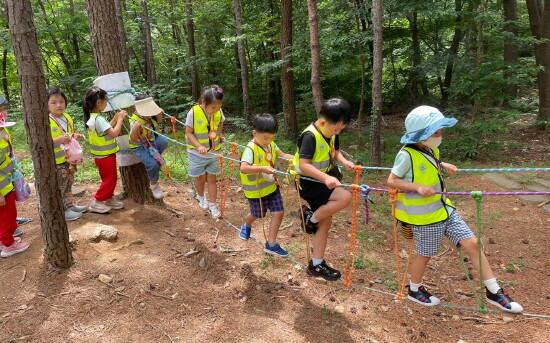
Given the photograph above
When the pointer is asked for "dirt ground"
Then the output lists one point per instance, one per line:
(177, 275)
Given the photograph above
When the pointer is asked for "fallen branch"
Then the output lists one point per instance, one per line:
(544, 203)
(169, 233)
(24, 275)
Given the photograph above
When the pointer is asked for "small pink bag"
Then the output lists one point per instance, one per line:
(73, 151)
(22, 189)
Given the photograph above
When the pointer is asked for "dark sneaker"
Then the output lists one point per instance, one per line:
(276, 250)
(423, 297)
(18, 232)
(503, 301)
(323, 270)
(21, 221)
(310, 227)
(245, 232)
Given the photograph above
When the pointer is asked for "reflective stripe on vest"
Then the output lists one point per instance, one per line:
(254, 185)
(99, 145)
(200, 128)
(321, 156)
(416, 209)
(143, 133)
(6, 168)
(57, 131)
(5, 143)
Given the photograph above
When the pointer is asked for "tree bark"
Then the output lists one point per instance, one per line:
(453, 51)
(287, 76)
(242, 58)
(195, 91)
(510, 44)
(376, 117)
(108, 56)
(74, 38)
(57, 252)
(5, 84)
(315, 47)
(149, 55)
(55, 41)
(360, 51)
(479, 55)
(544, 75)
(119, 7)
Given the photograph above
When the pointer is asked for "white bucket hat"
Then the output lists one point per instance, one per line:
(3, 122)
(147, 107)
(424, 121)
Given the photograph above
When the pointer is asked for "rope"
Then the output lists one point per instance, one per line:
(225, 181)
(306, 236)
(477, 195)
(352, 248)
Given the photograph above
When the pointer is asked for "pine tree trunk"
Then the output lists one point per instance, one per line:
(149, 56)
(453, 51)
(479, 55)
(544, 75)
(74, 38)
(57, 252)
(242, 58)
(119, 7)
(109, 59)
(5, 84)
(361, 54)
(287, 76)
(376, 117)
(315, 47)
(195, 91)
(413, 23)
(510, 44)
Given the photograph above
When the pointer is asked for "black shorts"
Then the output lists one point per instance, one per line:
(315, 193)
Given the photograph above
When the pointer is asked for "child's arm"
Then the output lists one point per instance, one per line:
(63, 139)
(449, 168)
(309, 170)
(115, 130)
(219, 130)
(247, 168)
(190, 134)
(280, 153)
(2, 200)
(395, 181)
(134, 133)
(343, 161)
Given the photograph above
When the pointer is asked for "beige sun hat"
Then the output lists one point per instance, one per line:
(147, 107)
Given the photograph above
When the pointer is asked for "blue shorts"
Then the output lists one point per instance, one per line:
(272, 202)
(198, 165)
(427, 238)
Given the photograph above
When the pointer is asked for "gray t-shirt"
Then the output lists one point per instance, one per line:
(189, 121)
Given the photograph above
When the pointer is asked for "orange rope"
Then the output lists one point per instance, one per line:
(400, 281)
(352, 249)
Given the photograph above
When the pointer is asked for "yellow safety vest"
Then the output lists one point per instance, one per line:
(6, 168)
(142, 131)
(416, 209)
(254, 185)
(5, 143)
(57, 131)
(99, 145)
(202, 128)
(323, 150)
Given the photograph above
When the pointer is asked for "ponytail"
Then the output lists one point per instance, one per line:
(90, 100)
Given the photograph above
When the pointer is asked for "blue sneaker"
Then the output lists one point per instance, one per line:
(276, 250)
(245, 232)
(21, 221)
(18, 232)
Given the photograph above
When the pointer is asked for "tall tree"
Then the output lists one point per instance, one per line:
(195, 91)
(242, 57)
(108, 56)
(452, 53)
(287, 75)
(57, 251)
(376, 117)
(479, 56)
(315, 47)
(119, 8)
(149, 56)
(510, 44)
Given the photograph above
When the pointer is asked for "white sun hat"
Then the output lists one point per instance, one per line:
(147, 107)
(424, 121)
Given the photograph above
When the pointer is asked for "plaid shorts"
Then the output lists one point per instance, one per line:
(272, 202)
(427, 238)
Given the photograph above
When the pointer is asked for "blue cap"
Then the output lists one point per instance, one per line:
(424, 121)
(3, 101)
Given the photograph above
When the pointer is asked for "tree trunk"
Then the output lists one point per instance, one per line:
(242, 58)
(544, 75)
(57, 252)
(479, 55)
(315, 47)
(55, 41)
(453, 51)
(149, 56)
(274, 82)
(74, 38)
(176, 29)
(119, 7)
(5, 85)
(109, 60)
(195, 91)
(360, 51)
(376, 117)
(510, 44)
(287, 76)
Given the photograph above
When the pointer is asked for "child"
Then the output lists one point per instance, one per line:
(62, 129)
(9, 245)
(103, 146)
(418, 168)
(6, 147)
(318, 150)
(141, 140)
(203, 128)
(259, 184)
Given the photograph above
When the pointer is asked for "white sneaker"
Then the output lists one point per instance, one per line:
(203, 204)
(98, 207)
(157, 192)
(72, 215)
(214, 210)
(114, 203)
(76, 208)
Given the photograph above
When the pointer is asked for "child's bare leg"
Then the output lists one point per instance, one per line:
(339, 199)
(320, 238)
(199, 184)
(274, 225)
(212, 188)
(470, 247)
(249, 220)
(418, 267)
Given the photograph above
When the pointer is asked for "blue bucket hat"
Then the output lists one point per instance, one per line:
(424, 121)
(3, 101)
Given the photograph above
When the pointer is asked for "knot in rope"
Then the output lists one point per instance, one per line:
(477, 195)
(393, 194)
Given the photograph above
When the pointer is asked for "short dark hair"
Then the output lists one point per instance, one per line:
(265, 123)
(142, 96)
(336, 111)
(56, 91)
(212, 94)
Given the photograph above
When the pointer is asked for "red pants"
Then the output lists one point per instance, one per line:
(108, 174)
(8, 222)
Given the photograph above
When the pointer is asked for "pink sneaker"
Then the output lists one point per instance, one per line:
(17, 239)
(15, 248)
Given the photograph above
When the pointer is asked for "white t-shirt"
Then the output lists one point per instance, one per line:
(248, 154)
(189, 121)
